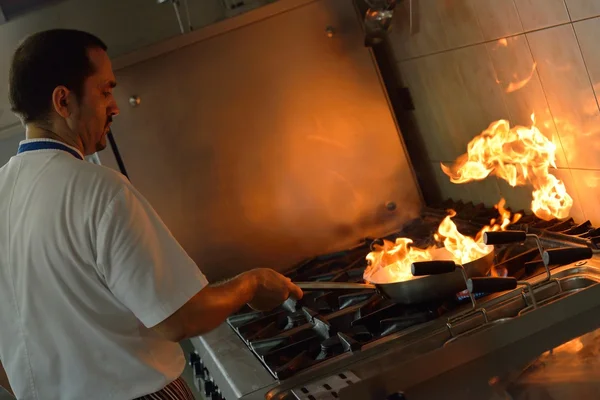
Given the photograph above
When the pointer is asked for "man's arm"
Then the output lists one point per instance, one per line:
(149, 273)
(4, 380)
(263, 289)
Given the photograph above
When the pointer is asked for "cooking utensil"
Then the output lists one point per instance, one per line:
(567, 255)
(508, 237)
(494, 284)
(433, 280)
(559, 256)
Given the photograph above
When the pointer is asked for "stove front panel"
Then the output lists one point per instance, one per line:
(224, 362)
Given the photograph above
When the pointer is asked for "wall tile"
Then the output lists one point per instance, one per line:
(538, 14)
(481, 102)
(445, 93)
(570, 95)
(522, 91)
(428, 38)
(438, 25)
(455, 96)
(517, 198)
(579, 9)
(587, 183)
(414, 76)
(497, 18)
(451, 190)
(486, 191)
(459, 21)
(588, 32)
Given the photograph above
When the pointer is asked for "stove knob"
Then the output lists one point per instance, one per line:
(199, 370)
(209, 388)
(396, 396)
(194, 358)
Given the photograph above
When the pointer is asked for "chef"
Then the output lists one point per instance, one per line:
(95, 292)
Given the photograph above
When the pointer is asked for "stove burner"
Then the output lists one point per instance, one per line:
(295, 319)
(391, 325)
(330, 347)
(328, 324)
(351, 299)
(463, 296)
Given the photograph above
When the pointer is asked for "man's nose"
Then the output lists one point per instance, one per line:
(114, 110)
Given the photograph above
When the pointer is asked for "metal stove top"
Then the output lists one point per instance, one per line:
(351, 337)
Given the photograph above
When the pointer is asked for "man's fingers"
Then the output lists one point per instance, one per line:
(295, 291)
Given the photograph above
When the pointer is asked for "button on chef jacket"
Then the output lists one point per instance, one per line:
(86, 267)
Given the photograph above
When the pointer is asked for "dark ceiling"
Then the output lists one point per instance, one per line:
(14, 8)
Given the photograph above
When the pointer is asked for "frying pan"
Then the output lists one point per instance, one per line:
(432, 280)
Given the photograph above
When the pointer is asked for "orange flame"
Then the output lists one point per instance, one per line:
(514, 86)
(391, 262)
(518, 155)
(464, 248)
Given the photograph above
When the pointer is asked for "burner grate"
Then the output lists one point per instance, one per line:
(328, 324)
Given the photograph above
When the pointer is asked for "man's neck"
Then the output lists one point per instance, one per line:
(37, 132)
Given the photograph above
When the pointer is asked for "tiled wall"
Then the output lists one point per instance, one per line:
(459, 63)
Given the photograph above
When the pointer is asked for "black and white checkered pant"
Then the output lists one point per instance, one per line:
(176, 390)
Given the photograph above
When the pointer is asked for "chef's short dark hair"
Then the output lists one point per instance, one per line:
(44, 61)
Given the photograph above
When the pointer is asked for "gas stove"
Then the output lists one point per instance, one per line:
(321, 345)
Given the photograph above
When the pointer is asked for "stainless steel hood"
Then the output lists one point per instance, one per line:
(266, 138)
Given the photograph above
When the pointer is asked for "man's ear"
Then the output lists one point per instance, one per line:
(60, 101)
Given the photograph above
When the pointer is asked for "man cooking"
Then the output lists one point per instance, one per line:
(95, 292)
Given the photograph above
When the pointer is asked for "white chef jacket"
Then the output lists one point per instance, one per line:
(86, 267)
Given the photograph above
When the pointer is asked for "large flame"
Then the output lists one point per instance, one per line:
(391, 262)
(520, 156)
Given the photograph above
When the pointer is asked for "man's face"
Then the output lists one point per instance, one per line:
(93, 116)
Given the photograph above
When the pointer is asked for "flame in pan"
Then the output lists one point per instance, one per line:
(465, 248)
(391, 262)
(520, 156)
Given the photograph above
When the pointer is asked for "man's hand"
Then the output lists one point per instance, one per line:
(272, 289)
(262, 289)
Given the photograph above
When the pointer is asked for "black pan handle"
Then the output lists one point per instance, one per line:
(437, 267)
(489, 284)
(566, 255)
(504, 237)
